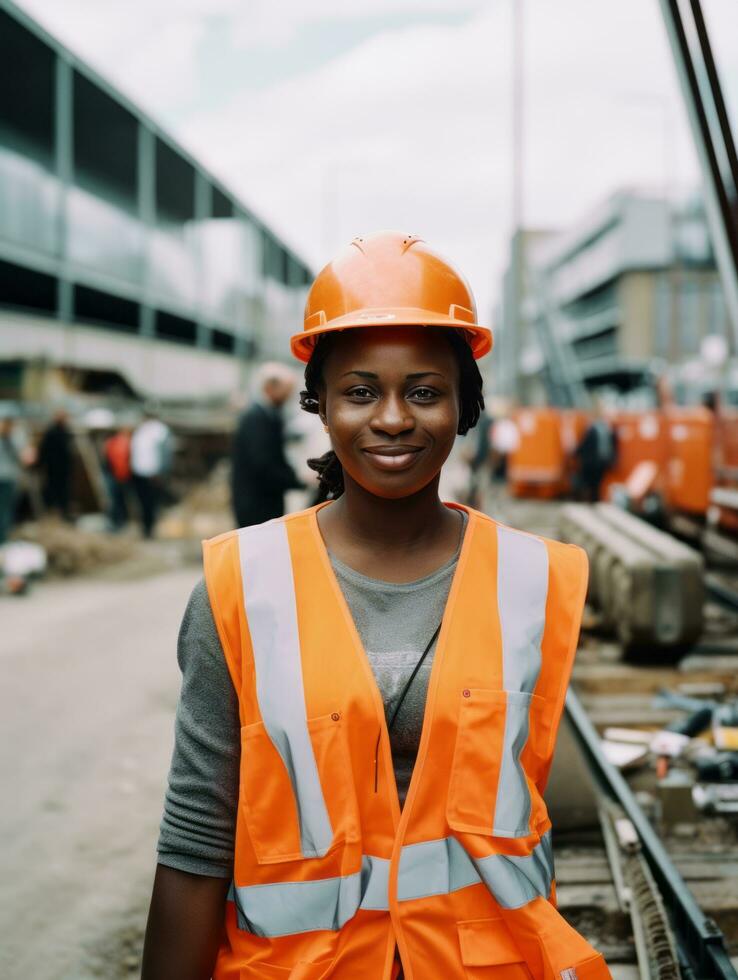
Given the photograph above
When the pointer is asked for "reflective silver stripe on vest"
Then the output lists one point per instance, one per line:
(522, 590)
(436, 867)
(289, 907)
(515, 881)
(269, 600)
(439, 867)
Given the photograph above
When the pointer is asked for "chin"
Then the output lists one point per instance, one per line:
(393, 490)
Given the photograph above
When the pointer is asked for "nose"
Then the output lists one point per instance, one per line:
(392, 415)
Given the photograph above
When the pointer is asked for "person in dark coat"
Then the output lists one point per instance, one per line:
(55, 463)
(261, 473)
(596, 452)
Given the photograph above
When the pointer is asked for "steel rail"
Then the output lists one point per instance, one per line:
(699, 939)
(720, 592)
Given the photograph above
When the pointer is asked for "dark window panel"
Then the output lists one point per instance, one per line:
(223, 341)
(27, 289)
(283, 267)
(175, 186)
(275, 259)
(177, 328)
(105, 143)
(96, 306)
(11, 379)
(27, 91)
(222, 205)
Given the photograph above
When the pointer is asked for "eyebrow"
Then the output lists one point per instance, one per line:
(375, 377)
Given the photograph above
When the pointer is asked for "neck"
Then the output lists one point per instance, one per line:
(395, 524)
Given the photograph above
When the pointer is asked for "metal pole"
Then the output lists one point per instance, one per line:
(518, 176)
(720, 213)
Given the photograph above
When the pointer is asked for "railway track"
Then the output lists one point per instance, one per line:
(635, 837)
(672, 933)
(722, 590)
(651, 880)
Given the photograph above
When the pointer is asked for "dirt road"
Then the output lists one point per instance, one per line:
(89, 687)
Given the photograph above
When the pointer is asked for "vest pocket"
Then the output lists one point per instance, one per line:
(489, 791)
(488, 951)
(300, 971)
(297, 801)
(331, 748)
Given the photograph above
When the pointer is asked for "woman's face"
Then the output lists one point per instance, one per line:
(391, 402)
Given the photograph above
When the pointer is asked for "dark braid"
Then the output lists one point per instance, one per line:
(471, 401)
(327, 466)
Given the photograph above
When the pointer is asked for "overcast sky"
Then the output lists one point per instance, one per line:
(335, 117)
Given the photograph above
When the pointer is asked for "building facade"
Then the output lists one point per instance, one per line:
(606, 304)
(118, 251)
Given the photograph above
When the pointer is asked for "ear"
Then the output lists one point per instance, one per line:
(321, 407)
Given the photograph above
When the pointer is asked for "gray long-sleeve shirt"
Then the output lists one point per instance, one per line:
(395, 621)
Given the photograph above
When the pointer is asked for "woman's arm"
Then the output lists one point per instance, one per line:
(196, 838)
(185, 925)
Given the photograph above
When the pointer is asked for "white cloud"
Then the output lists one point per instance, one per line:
(266, 22)
(412, 130)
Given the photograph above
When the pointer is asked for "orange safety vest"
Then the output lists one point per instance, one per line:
(329, 874)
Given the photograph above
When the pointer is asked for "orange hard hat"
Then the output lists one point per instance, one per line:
(389, 279)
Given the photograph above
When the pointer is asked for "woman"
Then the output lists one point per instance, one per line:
(397, 668)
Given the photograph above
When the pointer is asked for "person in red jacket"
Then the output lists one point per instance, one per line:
(117, 453)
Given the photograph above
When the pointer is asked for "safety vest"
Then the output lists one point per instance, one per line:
(329, 874)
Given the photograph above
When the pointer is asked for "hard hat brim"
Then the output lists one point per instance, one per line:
(479, 338)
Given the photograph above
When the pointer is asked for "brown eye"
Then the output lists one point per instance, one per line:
(424, 394)
(361, 391)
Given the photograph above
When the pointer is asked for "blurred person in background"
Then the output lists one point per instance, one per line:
(14, 456)
(117, 466)
(260, 473)
(596, 453)
(150, 461)
(479, 464)
(504, 440)
(55, 463)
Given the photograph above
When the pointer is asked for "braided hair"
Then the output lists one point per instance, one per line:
(471, 401)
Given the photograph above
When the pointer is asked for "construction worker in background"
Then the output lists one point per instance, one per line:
(372, 687)
(260, 472)
(596, 454)
(55, 463)
(151, 460)
(117, 468)
(480, 460)
(504, 440)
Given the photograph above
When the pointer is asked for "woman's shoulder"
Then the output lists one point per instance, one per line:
(558, 553)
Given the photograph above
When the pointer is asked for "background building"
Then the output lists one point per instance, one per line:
(604, 303)
(121, 258)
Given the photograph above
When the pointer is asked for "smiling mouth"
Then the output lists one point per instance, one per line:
(393, 457)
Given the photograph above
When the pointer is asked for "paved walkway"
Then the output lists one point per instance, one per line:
(89, 687)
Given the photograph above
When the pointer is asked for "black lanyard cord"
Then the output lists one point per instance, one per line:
(400, 702)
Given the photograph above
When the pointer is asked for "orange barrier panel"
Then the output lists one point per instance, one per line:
(689, 473)
(541, 466)
(641, 437)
